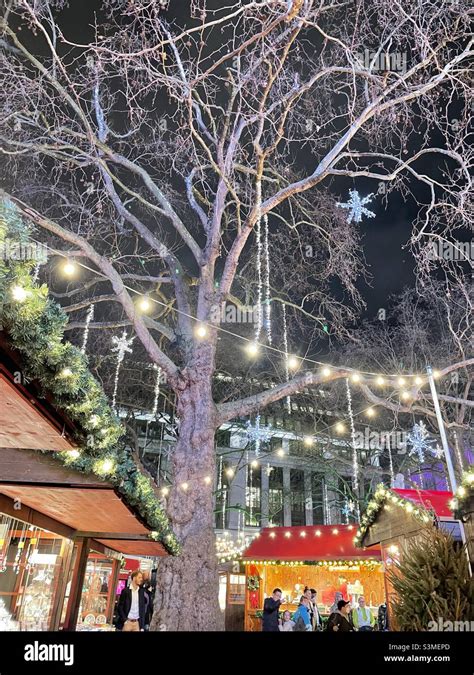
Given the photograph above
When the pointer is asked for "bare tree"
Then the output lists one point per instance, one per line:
(155, 147)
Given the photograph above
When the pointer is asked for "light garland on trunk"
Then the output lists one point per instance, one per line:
(90, 316)
(258, 235)
(157, 389)
(268, 324)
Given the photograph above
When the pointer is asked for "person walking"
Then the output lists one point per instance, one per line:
(362, 618)
(270, 611)
(131, 607)
(339, 622)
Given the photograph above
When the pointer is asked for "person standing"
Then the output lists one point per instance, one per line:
(362, 617)
(131, 607)
(317, 621)
(270, 611)
(339, 622)
(337, 596)
(302, 616)
(285, 623)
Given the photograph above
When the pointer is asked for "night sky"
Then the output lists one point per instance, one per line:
(389, 265)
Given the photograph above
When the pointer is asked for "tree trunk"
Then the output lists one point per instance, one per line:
(187, 584)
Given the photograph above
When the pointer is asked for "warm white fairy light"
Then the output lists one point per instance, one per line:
(207, 480)
(230, 473)
(355, 462)
(165, 491)
(293, 362)
(418, 380)
(69, 269)
(254, 464)
(340, 428)
(19, 293)
(201, 330)
(380, 381)
(144, 304)
(66, 372)
(370, 412)
(280, 452)
(122, 345)
(405, 396)
(355, 377)
(326, 372)
(252, 349)
(184, 486)
(268, 307)
(401, 381)
(308, 440)
(89, 317)
(73, 454)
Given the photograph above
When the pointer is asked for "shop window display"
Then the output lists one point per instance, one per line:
(30, 567)
(97, 593)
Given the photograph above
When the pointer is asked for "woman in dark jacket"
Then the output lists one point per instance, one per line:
(339, 622)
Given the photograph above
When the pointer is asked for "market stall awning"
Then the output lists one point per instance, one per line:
(316, 542)
(431, 500)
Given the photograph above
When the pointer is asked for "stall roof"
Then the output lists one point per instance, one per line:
(431, 500)
(334, 542)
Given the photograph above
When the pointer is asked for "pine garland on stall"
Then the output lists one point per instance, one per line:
(35, 325)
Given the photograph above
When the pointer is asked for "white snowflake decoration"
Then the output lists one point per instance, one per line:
(259, 434)
(356, 206)
(438, 452)
(419, 441)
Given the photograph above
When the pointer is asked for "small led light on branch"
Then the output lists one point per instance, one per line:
(380, 381)
(308, 440)
(252, 349)
(401, 381)
(69, 269)
(293, 362)
(66, 372)
(73, 454)
(355, 377)
(340, 428)
(326, 372)
(19, 293)
(165, 491)
(201, 331)
(370, 412)
(144, 304)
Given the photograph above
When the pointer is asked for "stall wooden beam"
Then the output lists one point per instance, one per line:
(16, 509)
(77, 585)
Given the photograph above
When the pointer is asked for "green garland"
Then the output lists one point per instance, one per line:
(384, 497)
(253, 582)
(35, 328)
(464, 491)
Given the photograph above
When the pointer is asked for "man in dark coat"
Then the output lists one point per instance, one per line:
(339, 621)
(132, 605)
(270, 611)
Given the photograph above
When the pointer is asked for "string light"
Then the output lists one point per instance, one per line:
(19, 293)
(308, 440)
(293, 362)
(252, 349)
(280, 452)
(207, 480)
(285, 347)
(418, 380)
(230, 473)
(201, 331)
(165, 491)
(370, 412)
(258, 236)
(401, 381)
(355, 462)
(73, 454)
(66, 372)
(268, 307)
(69, 269)
(355, 377)
(144, 304)
(340, 428)
(184, 486)
(326, 372)
(379, 379)
(254, 464)
(122, 345)
(90, 316)
(405, 395)
(105, 466)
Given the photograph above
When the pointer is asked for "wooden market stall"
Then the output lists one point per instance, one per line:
(322, 557)
(395, 517)
(63, 532)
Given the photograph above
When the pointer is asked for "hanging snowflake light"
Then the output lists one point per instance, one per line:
(122, 345)
(419, 441)
(356, 206)
(259, 434)
(348, 509)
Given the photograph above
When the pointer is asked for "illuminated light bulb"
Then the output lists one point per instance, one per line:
(94, 420)
(393, 549)
(165, 491)
(230, 473)
(370, 412)
(272, 535)
(287, 535)
(280, 452)
(19, 293)
(350, 527)
(461, 491)
(469, 477)
(401, 381)
(418, 380)
(293, 362)
(254, 464)
(201, 331)
(207, 480)
(308, 440)
(66, 372)
(303, 534)
(453, 504)
(355, 377)
(144, 304)
(105, 466)
(380, 381)
(326, 371)
(318, 533)
(252, 349)
(436, 374)
(184, 486)
(409, 508)
(340, 428)
(405, 395)
(73, 454)
(335, 531)
(69, 269)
